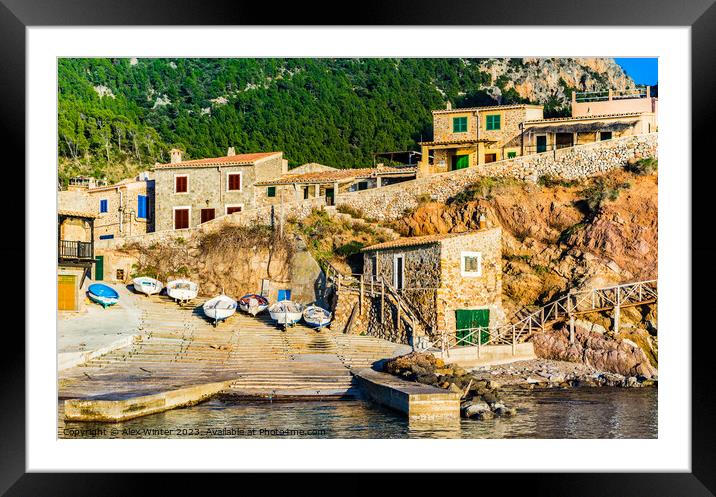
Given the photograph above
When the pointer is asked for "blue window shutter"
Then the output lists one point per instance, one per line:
(106, 237)
(103, 205)
(142, 206)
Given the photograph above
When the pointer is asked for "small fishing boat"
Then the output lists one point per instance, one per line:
(219, 308)
(103, 294)
(253, 304)
(286, 312)
(147, 285)
(316, 316)
(182, 290)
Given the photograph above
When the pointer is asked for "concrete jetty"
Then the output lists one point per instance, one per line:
(422, 404)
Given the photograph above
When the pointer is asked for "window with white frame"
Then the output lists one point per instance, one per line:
(471, 264)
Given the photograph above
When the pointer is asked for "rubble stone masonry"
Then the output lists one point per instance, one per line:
(582, 161)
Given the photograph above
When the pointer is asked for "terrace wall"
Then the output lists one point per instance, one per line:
(582, 161)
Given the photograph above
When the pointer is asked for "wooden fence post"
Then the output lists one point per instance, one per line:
(513, 339)
(382, 301)
(360, 302)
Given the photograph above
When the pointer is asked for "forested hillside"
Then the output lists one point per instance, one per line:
(118, 116)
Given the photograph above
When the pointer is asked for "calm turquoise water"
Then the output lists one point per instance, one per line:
(553, 413)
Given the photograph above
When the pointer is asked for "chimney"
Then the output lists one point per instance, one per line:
(449, 105)
(176, 155)
(231, 152)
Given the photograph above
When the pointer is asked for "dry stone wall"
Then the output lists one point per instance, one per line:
(582, 161)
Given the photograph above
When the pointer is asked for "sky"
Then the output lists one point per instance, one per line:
(643, 70)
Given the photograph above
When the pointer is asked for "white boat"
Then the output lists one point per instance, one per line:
(253, 303)
(182, 290)
(147, 285)
(286, 312)
(316, 316)
(219, 308)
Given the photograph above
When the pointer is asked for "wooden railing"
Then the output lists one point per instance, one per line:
(571, 305)
(70, 249)
(379, 288)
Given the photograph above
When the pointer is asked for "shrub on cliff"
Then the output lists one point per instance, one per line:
(643, 167)
(601, 190)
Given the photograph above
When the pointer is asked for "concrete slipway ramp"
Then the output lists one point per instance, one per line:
(181, 359)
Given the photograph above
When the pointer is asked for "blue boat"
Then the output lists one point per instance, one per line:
(102, 294)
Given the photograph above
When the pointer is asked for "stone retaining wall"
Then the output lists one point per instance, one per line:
(391, 202)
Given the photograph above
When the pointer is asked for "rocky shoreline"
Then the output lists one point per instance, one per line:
(480, 387)
(547, 373)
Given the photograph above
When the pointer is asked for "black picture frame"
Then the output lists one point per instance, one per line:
(700, 15)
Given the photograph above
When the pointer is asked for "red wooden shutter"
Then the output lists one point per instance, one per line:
(181, 184)
(207, 215)
(181, 219)
(231, 210)
(234, 182)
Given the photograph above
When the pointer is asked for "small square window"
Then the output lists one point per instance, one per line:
(271, 191)
(181, 184)
(511, 155)
(459, 124)
(471, 263)
(234, 182)
(605, 135)
(103, 205)
(492, 122)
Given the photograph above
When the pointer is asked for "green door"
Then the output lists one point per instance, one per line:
(461, 161)
(471, 318)
(99, 268)
(541, 143)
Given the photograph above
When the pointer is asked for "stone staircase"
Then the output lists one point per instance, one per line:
(180, 348)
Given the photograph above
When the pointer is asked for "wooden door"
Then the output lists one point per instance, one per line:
(99, 268)
(541, 143)
(466, 320)
(66, 297)
(461, 161)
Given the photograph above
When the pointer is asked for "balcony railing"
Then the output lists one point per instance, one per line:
(76, 250)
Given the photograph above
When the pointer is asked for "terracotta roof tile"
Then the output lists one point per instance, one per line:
(488, 107)
(336, 175)
(229, 160)
(416, 240)
(64, 212)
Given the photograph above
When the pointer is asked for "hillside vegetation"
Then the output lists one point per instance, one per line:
(119, 116)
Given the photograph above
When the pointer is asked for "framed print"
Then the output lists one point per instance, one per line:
(249, 250)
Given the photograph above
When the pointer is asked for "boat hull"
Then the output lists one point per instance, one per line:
(284, 316)
(316, 316)
(253, 304)
(182, 290)
(102, 294)
(219, 308)
(147, 286)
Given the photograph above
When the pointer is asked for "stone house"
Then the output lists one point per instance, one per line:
(316, 180)
(476, 135)
(454, 280)
(469, 137)
(192, 192)
(123, 209)
(595, 116)
(75, 257)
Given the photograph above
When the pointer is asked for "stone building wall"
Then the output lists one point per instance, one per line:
(508, 136)
(390, 202)
(121, 217)
(442, 125)
(458, 291)
(207, 189)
